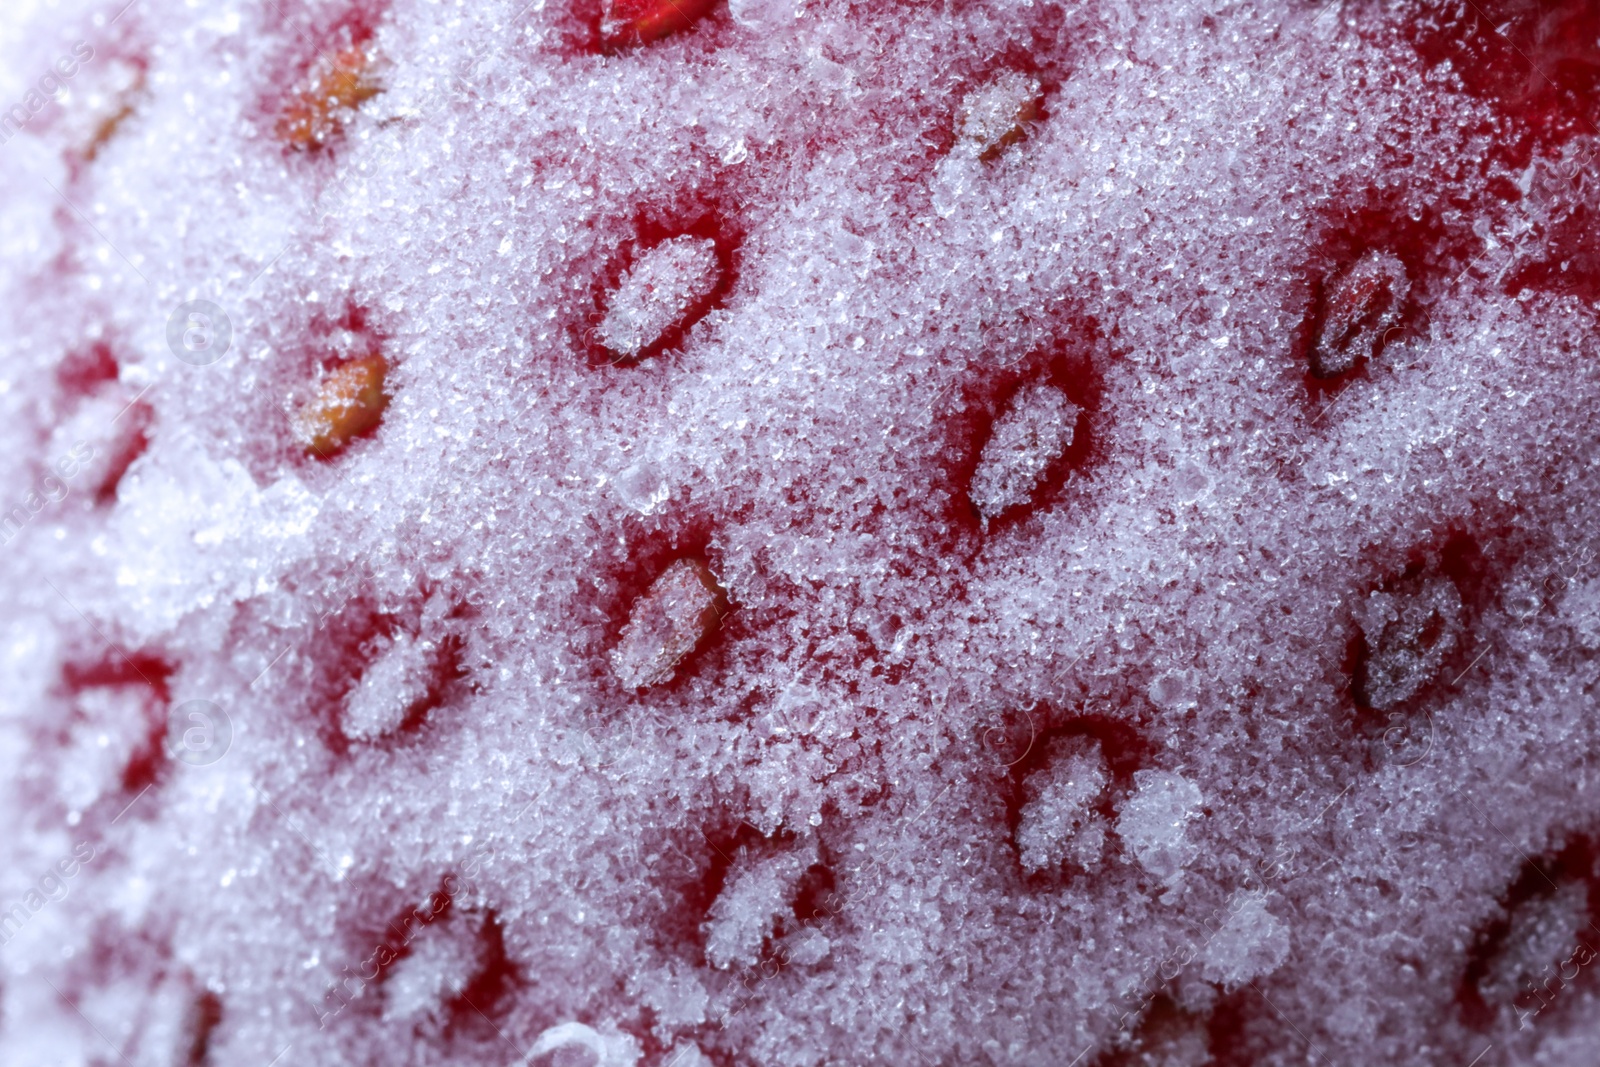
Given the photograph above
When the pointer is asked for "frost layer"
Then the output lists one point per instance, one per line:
(345, 717)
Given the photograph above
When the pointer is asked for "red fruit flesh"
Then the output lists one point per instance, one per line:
(636, 22)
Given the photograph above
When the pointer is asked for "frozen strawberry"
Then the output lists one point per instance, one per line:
(681, 608)
(338, 85)
(1359, 306)
(636, 22)
(842, 828)
(349, 403)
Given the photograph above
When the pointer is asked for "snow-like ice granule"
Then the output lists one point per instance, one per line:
(1153, 823)
(1252, 942)
(1059, 821)
(1145, 456)
(656, 292)
(1034, 432)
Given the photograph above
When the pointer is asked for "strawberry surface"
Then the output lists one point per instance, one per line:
(797, 532)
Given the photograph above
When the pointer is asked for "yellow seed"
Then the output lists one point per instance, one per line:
(105, 131)
(349, 403)
(679, 611)
(997, 116)
(109, 123)
(316, 114)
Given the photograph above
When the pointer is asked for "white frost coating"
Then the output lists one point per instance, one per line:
(660, 287)
(806, 947)
(192, 508)
(1058, 821)
(1251, 944)
(394, 683)
(750, 903)
(105, 428)
(763, 16)
(1034, 431)
(1580, 607)
(610, 1047)
(26, 237)
(441, 962)
(681, 607)
(25, 647)
(1173, 691)
(1172, 225)
(1360, 306)
(98, 96)
(1154, 821)
(643, 487)
(686, 1056)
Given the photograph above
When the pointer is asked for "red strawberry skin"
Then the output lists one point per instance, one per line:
(640, 22)
(1151, 448)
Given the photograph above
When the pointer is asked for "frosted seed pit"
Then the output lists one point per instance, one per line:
(350, 402)
(1035, 431)
(996, 115)
(1058, 821)
(1408, 635)
(681, 608)
(662, 287)
(337, 85)
(1360, 305)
